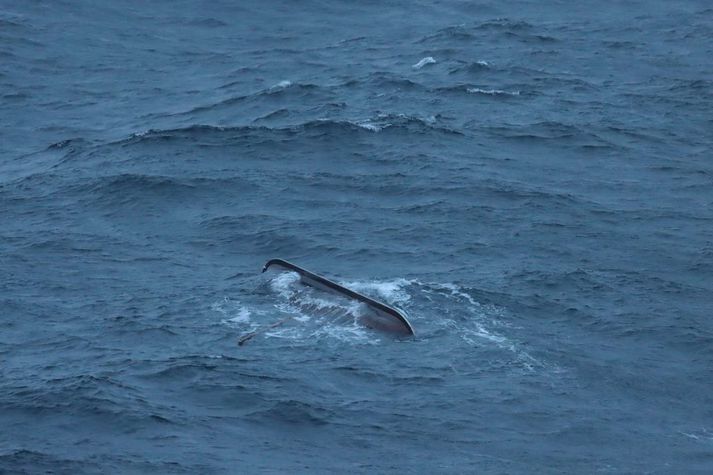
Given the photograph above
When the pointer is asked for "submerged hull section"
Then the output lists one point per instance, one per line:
(375, 315)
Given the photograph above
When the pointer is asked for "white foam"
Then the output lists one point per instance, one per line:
(391, 290)
(424, 62)
(482, 63)
(481, 332)
(338, 333)
(243, 316)
(479, 323)
(478, 331)
(344, 328)
(234, 312)
(492, 92)
(288, 333)
(316, 301)
(304, 306)
(456, 291)
(352, 333)
(283, 283)
(319, 314)
(220, 306)
(315, 314)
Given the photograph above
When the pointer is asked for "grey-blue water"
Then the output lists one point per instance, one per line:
(531, 181)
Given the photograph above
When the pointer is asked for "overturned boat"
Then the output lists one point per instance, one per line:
(373, 314)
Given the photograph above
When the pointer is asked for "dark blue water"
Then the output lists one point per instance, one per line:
(532, 183)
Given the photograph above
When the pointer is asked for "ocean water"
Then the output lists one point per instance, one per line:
(531, 181)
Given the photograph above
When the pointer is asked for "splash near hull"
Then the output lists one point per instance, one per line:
(375, 314)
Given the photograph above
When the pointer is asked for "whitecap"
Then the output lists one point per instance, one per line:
(701, 435)
(492, 92)
(282, 85)
(370, 126)
(424, 62)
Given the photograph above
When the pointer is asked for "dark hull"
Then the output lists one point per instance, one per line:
(377, 315)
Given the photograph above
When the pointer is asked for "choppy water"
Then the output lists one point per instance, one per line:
(531, 183)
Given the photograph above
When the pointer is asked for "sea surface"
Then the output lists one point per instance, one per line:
(532, 182)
